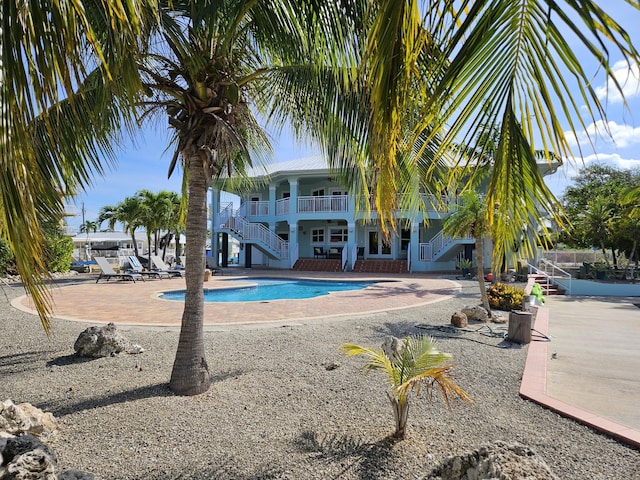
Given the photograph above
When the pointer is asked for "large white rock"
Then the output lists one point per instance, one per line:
(499, 461)
(25, 418)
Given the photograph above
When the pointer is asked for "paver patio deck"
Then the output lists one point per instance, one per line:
(128, 303)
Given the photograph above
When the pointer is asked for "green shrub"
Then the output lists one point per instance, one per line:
(59, 249)
(7, 260)
(505, 297)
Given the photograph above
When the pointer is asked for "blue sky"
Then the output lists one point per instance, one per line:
(617, 143)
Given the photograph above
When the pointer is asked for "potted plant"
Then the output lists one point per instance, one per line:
(601, 270)
(465, 265)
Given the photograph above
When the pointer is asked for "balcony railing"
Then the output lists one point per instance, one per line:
(255, 209)
(283, 206)
(324, 204)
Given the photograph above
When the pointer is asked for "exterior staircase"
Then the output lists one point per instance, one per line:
(546, 283)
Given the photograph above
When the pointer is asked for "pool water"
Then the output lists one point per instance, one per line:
(266, 289)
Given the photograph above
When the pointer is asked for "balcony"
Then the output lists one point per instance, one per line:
(323, 204)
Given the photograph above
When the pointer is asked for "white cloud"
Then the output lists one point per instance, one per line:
(629, 80)
(566, 174)
(612, 134)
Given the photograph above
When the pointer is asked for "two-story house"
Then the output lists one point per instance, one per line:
(300, 212)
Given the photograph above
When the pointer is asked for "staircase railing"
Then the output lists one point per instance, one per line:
(550, 272)
(248, 231)
(431, 249)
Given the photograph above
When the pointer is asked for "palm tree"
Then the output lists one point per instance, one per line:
(409, 365)
(471, 217)
(154, 208)
(129, 213)
(88, 226)
(217, 59)
(595, 223)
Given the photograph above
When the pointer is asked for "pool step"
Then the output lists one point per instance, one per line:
(317, 265)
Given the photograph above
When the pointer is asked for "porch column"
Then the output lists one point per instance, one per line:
(215, 210)
(272, 200)
(351, 245)
(294, 247)
(414, 244)
(293, 194)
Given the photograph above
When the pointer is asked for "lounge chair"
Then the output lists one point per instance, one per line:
(107, 271)
(211, 265)
(160, 266)
(136, 267)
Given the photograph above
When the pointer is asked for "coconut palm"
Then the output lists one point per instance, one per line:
(471, 217)
(410, 364)
(216, 60)
(129, 213)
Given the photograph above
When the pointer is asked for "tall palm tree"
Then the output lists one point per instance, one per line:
(154, 208)
(217, 60)
(129, 213)
(410, 364)
(471, 217)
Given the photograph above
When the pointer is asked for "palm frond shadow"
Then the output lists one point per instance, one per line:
(368, 459)
(222, 376)
(399, 329)
(223, 470)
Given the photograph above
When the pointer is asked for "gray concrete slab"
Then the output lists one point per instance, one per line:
(594, 355)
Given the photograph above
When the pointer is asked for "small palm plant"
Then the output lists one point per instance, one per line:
(410, 364)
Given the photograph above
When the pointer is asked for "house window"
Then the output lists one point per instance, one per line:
(405, 239)
(317, 235)
(319, 192)
(338, 235)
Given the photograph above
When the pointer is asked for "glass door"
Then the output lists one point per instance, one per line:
(377, 246)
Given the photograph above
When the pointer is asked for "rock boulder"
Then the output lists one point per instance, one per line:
(476, 313)
(98, 342)
(499, 461)
(27, 458)
(25, 418)
(459, 319)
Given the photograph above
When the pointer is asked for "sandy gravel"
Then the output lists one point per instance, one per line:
(275, 411)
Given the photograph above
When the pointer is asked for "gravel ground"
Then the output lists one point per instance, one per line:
(275, 411)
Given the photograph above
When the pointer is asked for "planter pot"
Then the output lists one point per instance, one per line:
(207, 275)
(465, 272)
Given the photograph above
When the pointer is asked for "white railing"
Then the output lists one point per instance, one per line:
(283, 206)
(551, 271)
(428, 251)
(409, 258)
(255, 232)
(325, 203)
(257, 209)
(425, 252)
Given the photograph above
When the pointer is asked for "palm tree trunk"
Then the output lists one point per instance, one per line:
(480, 273)
(190, 375)
(401, 415)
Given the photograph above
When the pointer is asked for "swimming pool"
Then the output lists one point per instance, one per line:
(265, 289)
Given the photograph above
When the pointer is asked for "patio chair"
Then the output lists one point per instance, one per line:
(160, 266)
(319, 252)
(107, 271)
(211, 265)
(136, 267)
